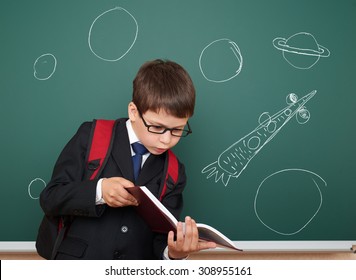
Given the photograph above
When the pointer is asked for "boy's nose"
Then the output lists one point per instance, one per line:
(166, 137)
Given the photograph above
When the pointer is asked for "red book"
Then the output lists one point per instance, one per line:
(159, 219)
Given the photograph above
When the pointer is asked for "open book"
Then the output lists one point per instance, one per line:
(159, 219)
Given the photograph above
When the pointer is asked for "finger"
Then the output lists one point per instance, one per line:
(170, 241)
(115, 183)
(203, 245)
(192, 235)
(126, 183)
(122, 182)
(116, 202)
(125, 201)
(189, 227)
(119, 197)
(126, 197)
(180, 236)
(195, 236)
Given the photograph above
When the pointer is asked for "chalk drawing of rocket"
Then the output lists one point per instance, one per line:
(235, 158)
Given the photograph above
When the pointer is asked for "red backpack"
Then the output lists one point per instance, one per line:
(100, 147)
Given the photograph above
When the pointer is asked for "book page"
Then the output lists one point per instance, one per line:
(209, 233)
(159, 205)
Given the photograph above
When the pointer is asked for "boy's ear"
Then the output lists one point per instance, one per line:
(132, 111)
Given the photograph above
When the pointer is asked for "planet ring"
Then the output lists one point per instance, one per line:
(280, 43)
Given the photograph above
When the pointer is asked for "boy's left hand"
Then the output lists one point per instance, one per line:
(187, 241)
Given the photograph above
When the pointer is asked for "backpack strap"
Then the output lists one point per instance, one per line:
(100, 146)
(171, 170)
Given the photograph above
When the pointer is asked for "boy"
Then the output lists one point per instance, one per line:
(104, 223)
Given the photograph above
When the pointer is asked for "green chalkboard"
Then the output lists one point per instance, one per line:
(272, 155)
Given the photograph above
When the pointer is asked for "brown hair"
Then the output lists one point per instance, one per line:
(163, 84)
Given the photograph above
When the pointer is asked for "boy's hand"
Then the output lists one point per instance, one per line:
(114, 193)
(187, 242)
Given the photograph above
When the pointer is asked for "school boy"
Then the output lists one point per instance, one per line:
(104, 224)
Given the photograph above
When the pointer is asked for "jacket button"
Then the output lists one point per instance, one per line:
(119, 256)
(124, 229)
(116, 255)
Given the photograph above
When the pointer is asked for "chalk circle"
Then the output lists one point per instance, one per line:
(35, 187)
(265, 119)
(288, 200)
(220, 61)
(44, 66)
(303, 115)
(112, 34)
(254, 142)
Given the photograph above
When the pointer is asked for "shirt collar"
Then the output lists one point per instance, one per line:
(132, 135)
(133, 138)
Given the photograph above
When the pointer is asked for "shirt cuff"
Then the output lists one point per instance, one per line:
(99, 196)
(166, 257)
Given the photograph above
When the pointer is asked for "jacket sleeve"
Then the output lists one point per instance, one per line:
(67, 193)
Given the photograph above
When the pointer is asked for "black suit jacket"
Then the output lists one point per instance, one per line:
(100, 231)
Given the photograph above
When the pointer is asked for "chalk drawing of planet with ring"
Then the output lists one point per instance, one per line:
(301, 50)
(220, 61)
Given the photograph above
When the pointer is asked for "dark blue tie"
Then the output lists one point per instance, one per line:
(139, 150)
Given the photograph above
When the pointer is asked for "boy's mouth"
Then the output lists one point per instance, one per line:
(160, 150)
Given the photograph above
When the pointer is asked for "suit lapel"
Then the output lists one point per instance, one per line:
(152, 167)
(121, 151)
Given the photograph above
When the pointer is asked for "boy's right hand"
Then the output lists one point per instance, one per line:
(115, 194)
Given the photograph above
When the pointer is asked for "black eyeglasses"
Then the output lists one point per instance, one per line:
(157, 129)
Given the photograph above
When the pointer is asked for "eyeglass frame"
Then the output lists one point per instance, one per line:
(165, 129)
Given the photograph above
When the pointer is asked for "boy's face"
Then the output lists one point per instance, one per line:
(155, 143)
